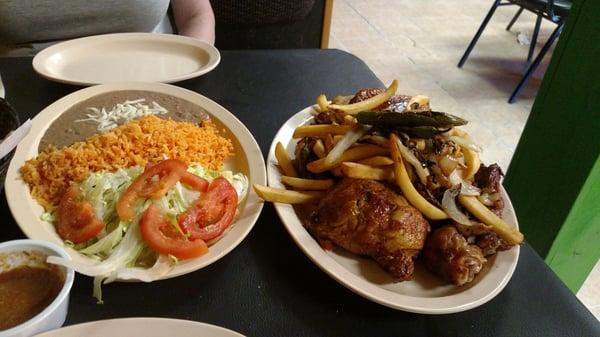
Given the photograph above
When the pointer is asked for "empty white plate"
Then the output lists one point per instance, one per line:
(148, 327)
(145, 57)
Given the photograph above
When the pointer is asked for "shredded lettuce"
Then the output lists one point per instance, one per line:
(119, 252)
(48, 217)
(105, 245)
(102, 190)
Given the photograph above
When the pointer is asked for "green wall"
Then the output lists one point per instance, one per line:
(554, 177)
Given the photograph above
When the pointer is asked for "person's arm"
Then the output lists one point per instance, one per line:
(194, 18)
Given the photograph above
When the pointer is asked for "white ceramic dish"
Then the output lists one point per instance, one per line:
(426, 293)
(53, 316)
(108, 58)
(248, 160)
(142, 326)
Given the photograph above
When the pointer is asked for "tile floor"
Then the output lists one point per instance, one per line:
(420, 42)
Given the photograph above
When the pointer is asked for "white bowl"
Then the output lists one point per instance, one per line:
(53, 316)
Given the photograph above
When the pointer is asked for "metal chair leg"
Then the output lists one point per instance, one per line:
(536, 63)
(536, 30)
(487, 18)
(514, 19)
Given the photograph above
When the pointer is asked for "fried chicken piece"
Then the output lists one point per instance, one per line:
(448, 254)
(483, 236)
(367, 218)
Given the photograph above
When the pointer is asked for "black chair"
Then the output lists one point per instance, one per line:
(553, 10)
(272, 24)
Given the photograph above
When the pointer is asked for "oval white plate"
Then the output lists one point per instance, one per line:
(141, 326)
(425, 294)
(147, 57)
(248, 160)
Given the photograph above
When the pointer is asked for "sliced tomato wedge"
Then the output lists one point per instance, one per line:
(153, 183)
(164, 239)
(195, 182)
(212, 213)
(191, 180)
(76, 220)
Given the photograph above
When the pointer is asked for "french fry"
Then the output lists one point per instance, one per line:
(286, 196)
(307, 184)
(319, 149)
(360, 171)
(504, 230)
(337, 171)
(409, 191)
(378, 140)
(319, 130)
(368, 104)
(336, 139)
(284, 161)
(328, 143)
(472, 162)
(322, 103)
(353, 154)
(377, 161)
(457, 132)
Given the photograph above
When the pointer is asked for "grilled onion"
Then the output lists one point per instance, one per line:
(450, 207)
(466, 188)
(344, 144)
(407, 155)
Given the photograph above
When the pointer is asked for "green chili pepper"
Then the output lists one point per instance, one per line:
(423, 131)
(392, 120)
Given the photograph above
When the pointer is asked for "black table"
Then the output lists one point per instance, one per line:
(266, 286)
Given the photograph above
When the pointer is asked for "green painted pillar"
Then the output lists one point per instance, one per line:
(554, 176)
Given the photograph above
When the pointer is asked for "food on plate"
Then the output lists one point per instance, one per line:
(27, 286)
(138, 196)
(108, 110)
(367, 218)
(404, 183)
(450, 256)
(287, 196)
(138, 142)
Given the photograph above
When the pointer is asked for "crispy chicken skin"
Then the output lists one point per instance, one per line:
(448, 254)
(367, 218)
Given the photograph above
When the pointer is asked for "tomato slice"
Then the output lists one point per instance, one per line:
(153, 183)
(164, 239)
(76, 220)
(191, 180)
(195, 182)
(212, 213)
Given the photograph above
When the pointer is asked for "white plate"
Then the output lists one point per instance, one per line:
(248, 160)
(426, 293)
(147, 57)
(147, 327)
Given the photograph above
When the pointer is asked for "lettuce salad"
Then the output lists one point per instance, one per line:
(119, 251)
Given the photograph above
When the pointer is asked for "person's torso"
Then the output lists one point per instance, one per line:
(34, 21)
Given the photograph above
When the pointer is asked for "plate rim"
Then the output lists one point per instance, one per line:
(133, 320)
(364, 288)
(43, 56)
(46, 116)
